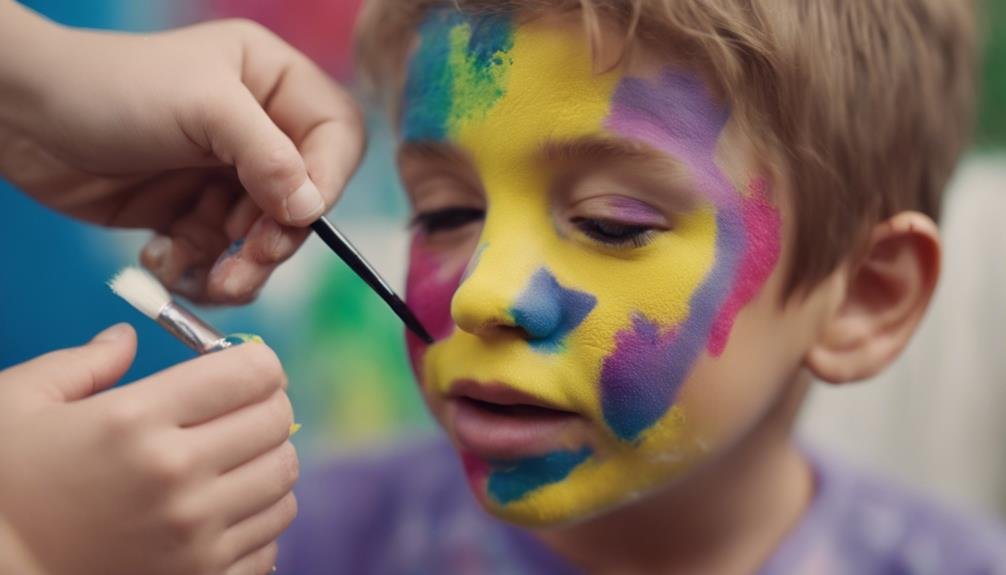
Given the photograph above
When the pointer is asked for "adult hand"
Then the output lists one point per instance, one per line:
(220, 137)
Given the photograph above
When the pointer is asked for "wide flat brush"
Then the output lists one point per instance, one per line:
(147, 294)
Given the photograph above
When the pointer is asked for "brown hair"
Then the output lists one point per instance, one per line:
(868, 103)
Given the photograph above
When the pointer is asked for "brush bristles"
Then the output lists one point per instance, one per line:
(141, 290)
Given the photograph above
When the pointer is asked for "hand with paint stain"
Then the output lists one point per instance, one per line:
(189, 470)
(220, 137)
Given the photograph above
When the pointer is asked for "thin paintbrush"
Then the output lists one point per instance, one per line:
(349, 254)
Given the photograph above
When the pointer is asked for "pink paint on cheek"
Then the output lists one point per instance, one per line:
(762, 228)
(476, 470)
(428, 293)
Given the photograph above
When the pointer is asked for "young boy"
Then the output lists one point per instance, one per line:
(640, 229)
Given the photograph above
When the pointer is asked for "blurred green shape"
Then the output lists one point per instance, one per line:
(991, 129)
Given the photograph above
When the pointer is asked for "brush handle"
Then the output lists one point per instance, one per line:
(349, 254)
(188, 328)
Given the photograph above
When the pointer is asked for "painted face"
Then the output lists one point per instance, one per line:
(580, 255)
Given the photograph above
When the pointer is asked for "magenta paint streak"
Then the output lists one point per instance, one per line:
(762, 225)
(428, 293)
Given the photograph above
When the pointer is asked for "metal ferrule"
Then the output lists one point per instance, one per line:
(188, 328)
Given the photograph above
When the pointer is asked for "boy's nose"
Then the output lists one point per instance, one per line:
(494, 300)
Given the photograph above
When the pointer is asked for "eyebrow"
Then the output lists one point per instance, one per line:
(651, 167)
(608, 148)
(430, 150)
(587, 148)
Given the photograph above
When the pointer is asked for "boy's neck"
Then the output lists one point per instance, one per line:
(728, 518)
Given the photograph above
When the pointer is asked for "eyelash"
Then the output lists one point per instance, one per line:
(614, 233)
(446, 219)
(604, 231)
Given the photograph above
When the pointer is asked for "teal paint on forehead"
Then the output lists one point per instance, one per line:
(427, 95)
(454, 72)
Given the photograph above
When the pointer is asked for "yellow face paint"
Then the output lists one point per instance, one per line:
(553, 310)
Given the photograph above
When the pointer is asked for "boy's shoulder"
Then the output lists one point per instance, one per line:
(401, 509)
(859, 523)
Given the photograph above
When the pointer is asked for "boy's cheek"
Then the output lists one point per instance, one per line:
(432, 279)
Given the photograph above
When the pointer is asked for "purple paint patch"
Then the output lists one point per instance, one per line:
(641, 378)
(636, 385)
(635, 212)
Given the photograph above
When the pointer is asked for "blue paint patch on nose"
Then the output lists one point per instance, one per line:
(548, 312)
(509, 482)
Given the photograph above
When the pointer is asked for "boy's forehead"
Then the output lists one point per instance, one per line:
(470, 72)
(498, 84)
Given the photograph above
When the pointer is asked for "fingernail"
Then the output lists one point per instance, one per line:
(156, 252)
(238, 276)
(113, 333)
(305, 203)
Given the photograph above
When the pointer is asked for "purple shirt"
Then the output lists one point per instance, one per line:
(409, 512)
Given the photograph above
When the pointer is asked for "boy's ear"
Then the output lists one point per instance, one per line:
(885, 295)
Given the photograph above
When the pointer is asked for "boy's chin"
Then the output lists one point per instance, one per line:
(590, 492)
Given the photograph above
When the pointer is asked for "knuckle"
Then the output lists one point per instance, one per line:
(246, 28)
(183, 524)
(263, 365)
(282, 164)
(124, 417)
(281, 412)
(288, 508)
(167, 466)
(289, 466)
(267, 557)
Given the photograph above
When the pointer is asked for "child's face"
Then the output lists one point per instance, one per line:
(584, 244)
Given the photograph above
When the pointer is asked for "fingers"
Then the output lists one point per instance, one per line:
(75, 373)
(191, 243)
(260, 529)
(320, 117)
(210, 386)
(270, 167)
(243, 435)
(239, 274)
(255, 486)
(259, 562)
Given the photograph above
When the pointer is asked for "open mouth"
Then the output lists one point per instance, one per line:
(497, 422)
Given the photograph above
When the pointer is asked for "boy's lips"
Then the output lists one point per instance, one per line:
(495, 421)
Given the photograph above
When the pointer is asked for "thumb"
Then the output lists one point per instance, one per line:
(78, 372)
(268, 163)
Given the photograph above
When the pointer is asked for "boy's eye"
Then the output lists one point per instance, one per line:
(614, 233)
(446, 219)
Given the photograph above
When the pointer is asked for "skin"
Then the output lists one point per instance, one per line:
(714, 481)
(206, 135)
(632, 309)
(215, 137)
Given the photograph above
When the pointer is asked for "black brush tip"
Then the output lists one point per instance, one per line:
(411, 321)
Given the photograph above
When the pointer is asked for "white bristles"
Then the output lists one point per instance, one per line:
(141, 290)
